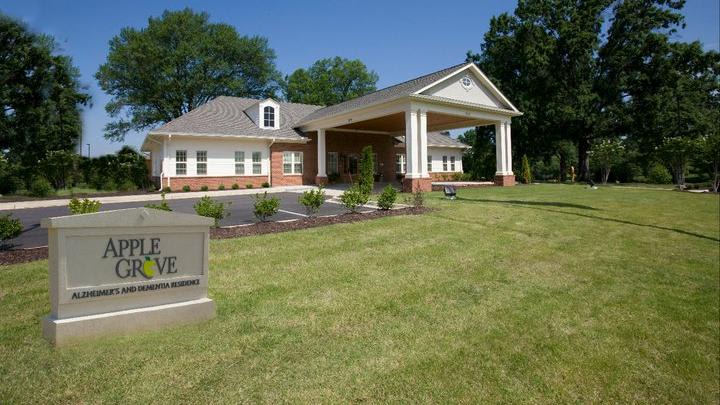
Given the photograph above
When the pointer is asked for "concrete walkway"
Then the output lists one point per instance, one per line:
(17, 205)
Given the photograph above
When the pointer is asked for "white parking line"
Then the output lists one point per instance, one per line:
(293, 213)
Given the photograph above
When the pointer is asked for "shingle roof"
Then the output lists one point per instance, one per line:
(383, 95)
(226, 116)
(437, 139)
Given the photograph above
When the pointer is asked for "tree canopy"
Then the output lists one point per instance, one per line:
(177, 63)
(329, 81)
(598, 69)
(40, 96)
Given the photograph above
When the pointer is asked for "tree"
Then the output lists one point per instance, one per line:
(677, 152)
(177, 63)
(526, 172)
(329, 81)
(367, 171)
(40, 97)
(479, 160)
(711, 154)
(605, 154)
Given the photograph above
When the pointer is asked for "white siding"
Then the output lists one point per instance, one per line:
(220, 155)
(437, 159)
(452, 89)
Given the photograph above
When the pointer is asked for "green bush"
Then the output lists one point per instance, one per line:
(84, 206)
(9, 228)
(312, 200)
(266, 185)
(235, 186)
(659, 174)
(204, 188)
(265, 207)
(127, 185)
(162, 206)
(186, 188)
(10, 184)
(416, 199)
(166, 189)
(40, 187)
(354, 198)
(387, 198)
(526, 172)
(249, 185)
(367, 169)
(333, 177)
(221, 187)
(207, 207)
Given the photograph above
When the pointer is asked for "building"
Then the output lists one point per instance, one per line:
(242, 141)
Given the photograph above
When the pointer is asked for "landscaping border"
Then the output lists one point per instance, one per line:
(260, 228)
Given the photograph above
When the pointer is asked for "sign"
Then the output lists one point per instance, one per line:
(126, 270)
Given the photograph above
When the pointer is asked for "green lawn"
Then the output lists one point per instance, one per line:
(548, 293)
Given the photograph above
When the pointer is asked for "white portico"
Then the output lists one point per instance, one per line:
(457, 97)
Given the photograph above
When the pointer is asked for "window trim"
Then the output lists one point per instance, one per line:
(199, 162)
(257, 163)
(429, 163)
(328, 168)
(452, 163)
(400, 159)
(445, 163)
(293, 162)
(269, 110)
(180, 162)
(240, 163)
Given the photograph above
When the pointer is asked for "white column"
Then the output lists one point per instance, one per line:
(411, 144)
(422, 129)
(500, 155)
(321, 154)
(508, 150)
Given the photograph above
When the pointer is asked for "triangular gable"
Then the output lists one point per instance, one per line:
(469, 85)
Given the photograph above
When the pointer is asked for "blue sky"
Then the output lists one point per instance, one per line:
(397, 40)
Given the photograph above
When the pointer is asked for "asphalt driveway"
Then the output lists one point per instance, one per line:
(241, 212)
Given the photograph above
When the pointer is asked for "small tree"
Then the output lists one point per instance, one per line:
(85, 206)
(677, 151)
(606, 154)
(526, 174)
(207, 207)
(265, 207)
(312, 200)
(162, 206)
(354, 198)
(367, 171)
(387, 198)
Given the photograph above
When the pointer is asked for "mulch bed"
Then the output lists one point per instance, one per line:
(261, 228)
(28, 255)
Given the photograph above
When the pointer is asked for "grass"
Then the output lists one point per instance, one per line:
(548, 293)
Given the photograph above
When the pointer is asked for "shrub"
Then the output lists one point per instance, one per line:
(387, 198)
(207, 207)
(40, 187)
(127, 185)
(235, 186)
(10, 184)
(526, 173)
(249, 185)
(353, 198)
(84, 206)
(186, 188)
(659, 174)
(166, 189)
(266, 185)
(221, 187)
(418, 199)
(162, 206)
(204, 188)
(9, 228)
(333, 177)
(265, 207)
(312, 200)
(367, 169)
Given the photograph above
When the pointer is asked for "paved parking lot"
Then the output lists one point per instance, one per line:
(241, 212)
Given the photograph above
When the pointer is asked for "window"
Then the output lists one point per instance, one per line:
(292, 162)
(429, 163)
(201, 161)
(180, 162)
(332, 163)
(353, 164)
(239, 162)
(269, 117)
(466, 82)
(257, 162)
(399, 163)
(452, 163)
(445, 163)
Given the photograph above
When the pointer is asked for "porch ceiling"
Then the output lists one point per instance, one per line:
(395, 123)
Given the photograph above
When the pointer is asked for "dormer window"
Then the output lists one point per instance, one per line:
(269, 117)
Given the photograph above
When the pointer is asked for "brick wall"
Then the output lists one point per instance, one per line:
(213, 183)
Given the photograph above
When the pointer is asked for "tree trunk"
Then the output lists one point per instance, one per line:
(679, 173)
(605, 173)
(563, 167)
(583, 159)
(716, 180)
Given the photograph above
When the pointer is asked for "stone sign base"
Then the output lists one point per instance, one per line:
(68, 330)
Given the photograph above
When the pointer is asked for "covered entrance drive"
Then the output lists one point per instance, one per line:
(457, 97)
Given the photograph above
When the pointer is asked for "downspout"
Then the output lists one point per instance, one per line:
(272, 141)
